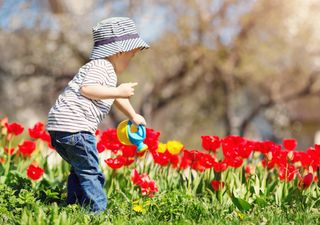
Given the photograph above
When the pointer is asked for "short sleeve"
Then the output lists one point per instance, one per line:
(99, 75)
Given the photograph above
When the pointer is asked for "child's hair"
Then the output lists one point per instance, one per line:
(115, 35)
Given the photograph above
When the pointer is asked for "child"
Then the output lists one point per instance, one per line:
(88, 97)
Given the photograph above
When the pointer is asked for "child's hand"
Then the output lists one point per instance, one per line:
(138, 119)
(126, 90)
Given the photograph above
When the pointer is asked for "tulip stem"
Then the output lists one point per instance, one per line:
(8, 161)
(318, 175)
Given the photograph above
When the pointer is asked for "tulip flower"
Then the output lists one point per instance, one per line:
(34, 172)
(14, 128)
(162, 148)
(100, 147)
(27, 148)
(217, 185)
(306, 181)
(129, 150)
(146, 184)
(152, 139)
(287, 172)
(110, 140)
(9, 152)
(118, 162)
(162, 159)
(174, 147)
(289, 144)
(210, 143)
(37, 131)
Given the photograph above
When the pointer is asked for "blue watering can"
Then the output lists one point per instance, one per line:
(130, 134)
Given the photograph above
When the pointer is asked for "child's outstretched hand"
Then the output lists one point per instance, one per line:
(126, 89)
(138, 119)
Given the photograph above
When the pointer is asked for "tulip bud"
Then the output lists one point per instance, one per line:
(3, 121)
(290, 155)
(310, 169)
(9, 137)
(2, 160)
(269, 156)
(298, 164)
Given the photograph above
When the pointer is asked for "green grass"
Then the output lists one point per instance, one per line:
(173, 207)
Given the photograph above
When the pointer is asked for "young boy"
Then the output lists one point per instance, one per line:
(87, 99)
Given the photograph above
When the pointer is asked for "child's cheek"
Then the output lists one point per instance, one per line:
(126, 63)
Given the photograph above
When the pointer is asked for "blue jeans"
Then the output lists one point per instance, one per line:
(85, 181)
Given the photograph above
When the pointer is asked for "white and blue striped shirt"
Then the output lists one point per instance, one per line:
(73, 112)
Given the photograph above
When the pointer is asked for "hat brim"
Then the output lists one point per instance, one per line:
(113, 48)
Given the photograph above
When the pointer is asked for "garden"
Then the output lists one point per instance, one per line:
(230, 180)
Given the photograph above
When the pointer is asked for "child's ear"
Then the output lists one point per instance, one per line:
(119, 54)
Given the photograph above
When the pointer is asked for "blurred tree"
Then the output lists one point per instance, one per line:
(214, 67)
(259, 65)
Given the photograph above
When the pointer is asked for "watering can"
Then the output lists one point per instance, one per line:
(130, 134)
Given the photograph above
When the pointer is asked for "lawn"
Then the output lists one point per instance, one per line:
(231, 180)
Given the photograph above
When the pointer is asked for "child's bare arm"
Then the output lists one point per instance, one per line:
(124, 105)
(97, 92)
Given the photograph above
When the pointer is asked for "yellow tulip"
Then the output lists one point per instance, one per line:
(174, 147)
(162, 147)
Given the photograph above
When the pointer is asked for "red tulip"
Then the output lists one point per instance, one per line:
(174, 160)
(9, 152)
(287, 172)
(128, 161)
(210, 143)
(45, 137)
(247, 169)
(152, 144)
(27, 148)
(315, 179)
(98, 132)
(152, 134)
(116, 163)
(220, 166)
(246, 151)
(186, 160)
(152, 139)
(135, 177)
(34, 172)
(110, 140)
(206, 160)
(217, 185)
(162, 159)
(147, 185)
(37, 131)
(289, 144)
(14, 128)
(100, 147)
(306, 181)
(235, 162)
(129, 150)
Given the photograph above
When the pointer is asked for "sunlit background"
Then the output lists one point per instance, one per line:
(215, 67)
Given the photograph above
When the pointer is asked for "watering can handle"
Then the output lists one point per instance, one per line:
(141, 130)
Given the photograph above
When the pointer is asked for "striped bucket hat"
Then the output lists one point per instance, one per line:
(114, 35)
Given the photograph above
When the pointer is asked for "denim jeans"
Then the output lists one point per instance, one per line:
(85, 182)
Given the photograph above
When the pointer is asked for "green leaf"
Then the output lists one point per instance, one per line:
(257, 185)
(241, 204)
(271, 187)
(262, 202)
